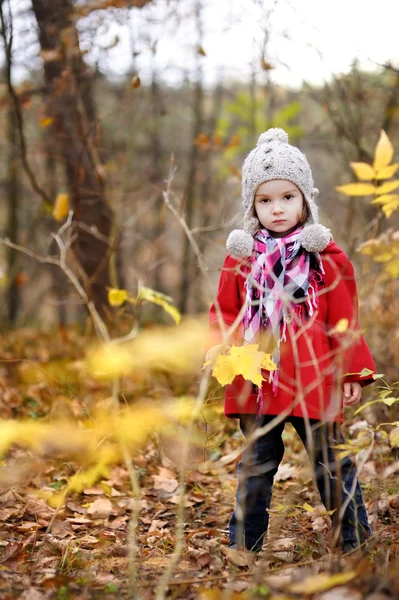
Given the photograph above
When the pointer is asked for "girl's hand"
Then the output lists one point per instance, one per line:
(352, 393)
(212, 352)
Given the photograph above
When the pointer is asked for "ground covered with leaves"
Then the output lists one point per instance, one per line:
(80, 549)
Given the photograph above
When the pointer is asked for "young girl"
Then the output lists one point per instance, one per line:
(300, 299)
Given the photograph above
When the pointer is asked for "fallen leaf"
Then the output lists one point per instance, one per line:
(176, 499)
(62, 529)
(285, 471)
(38, 509)
(157, 524)
(240, 558)
(10, 551)
(321, 582)
(100, 509)
(165, 484)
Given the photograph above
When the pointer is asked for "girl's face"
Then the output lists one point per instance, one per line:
(278, 206)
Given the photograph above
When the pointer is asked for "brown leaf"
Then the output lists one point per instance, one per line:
(266, 66)
(135, 83)
(165, 484)
(6, 513)
(204, 559)
(240, 558)
(10, 551)
(93, 491)
(176, 499)
(27, 526)
(119, 523)
(157, 524)
(39, 510)
(9, 498)
(100, 509)
(76, 508)
(79, 520)
(62, 529)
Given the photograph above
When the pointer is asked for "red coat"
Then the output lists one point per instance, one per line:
(323, 357)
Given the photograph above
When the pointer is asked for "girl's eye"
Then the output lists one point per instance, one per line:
(265, 200)
(288, 196)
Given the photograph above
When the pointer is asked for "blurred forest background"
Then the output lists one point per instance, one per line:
(110, 143)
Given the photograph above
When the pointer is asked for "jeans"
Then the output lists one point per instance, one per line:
(336, 480)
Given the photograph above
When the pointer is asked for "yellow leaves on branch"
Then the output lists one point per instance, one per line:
(61, 207)
(384, 249)
(95, 444)
(117, 297)
(357, 189)
(383, 153)
(162, 300)
(173, 350)
(380, 169)
(247, 361)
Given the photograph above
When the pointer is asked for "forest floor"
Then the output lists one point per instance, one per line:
(81, 549)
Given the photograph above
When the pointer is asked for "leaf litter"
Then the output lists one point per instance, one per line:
(82, 546)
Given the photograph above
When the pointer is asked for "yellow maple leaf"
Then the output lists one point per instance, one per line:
(387, 187)
(247, 361)
(363, 171)
(357, 189)
(61, 207)
(117, 297)
(388, 171)
(321, 582)
(383, 152)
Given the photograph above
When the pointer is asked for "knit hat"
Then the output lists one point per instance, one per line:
(275, 158)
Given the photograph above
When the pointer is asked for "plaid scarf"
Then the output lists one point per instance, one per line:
(282, 274)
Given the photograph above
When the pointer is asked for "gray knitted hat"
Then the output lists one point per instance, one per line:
(274, 158)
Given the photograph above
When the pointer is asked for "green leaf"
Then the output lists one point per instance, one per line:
(378, 375)
(364, 372)
(111, 588)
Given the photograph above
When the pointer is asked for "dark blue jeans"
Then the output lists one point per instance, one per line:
(336, 480)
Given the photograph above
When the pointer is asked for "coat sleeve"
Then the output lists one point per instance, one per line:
(229, 299)
(349, 347)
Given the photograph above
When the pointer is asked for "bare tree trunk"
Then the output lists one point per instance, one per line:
(13, 299)
(69, 106)
(12, 302)
(209, 195)
(192, 200)
(156, 177)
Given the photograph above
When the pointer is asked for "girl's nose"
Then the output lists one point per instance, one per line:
(277, 208)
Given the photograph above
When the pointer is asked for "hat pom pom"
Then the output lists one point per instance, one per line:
(315, 238)
(240, 244)
(275, 134)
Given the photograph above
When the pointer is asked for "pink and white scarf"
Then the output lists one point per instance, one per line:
(280, 287)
